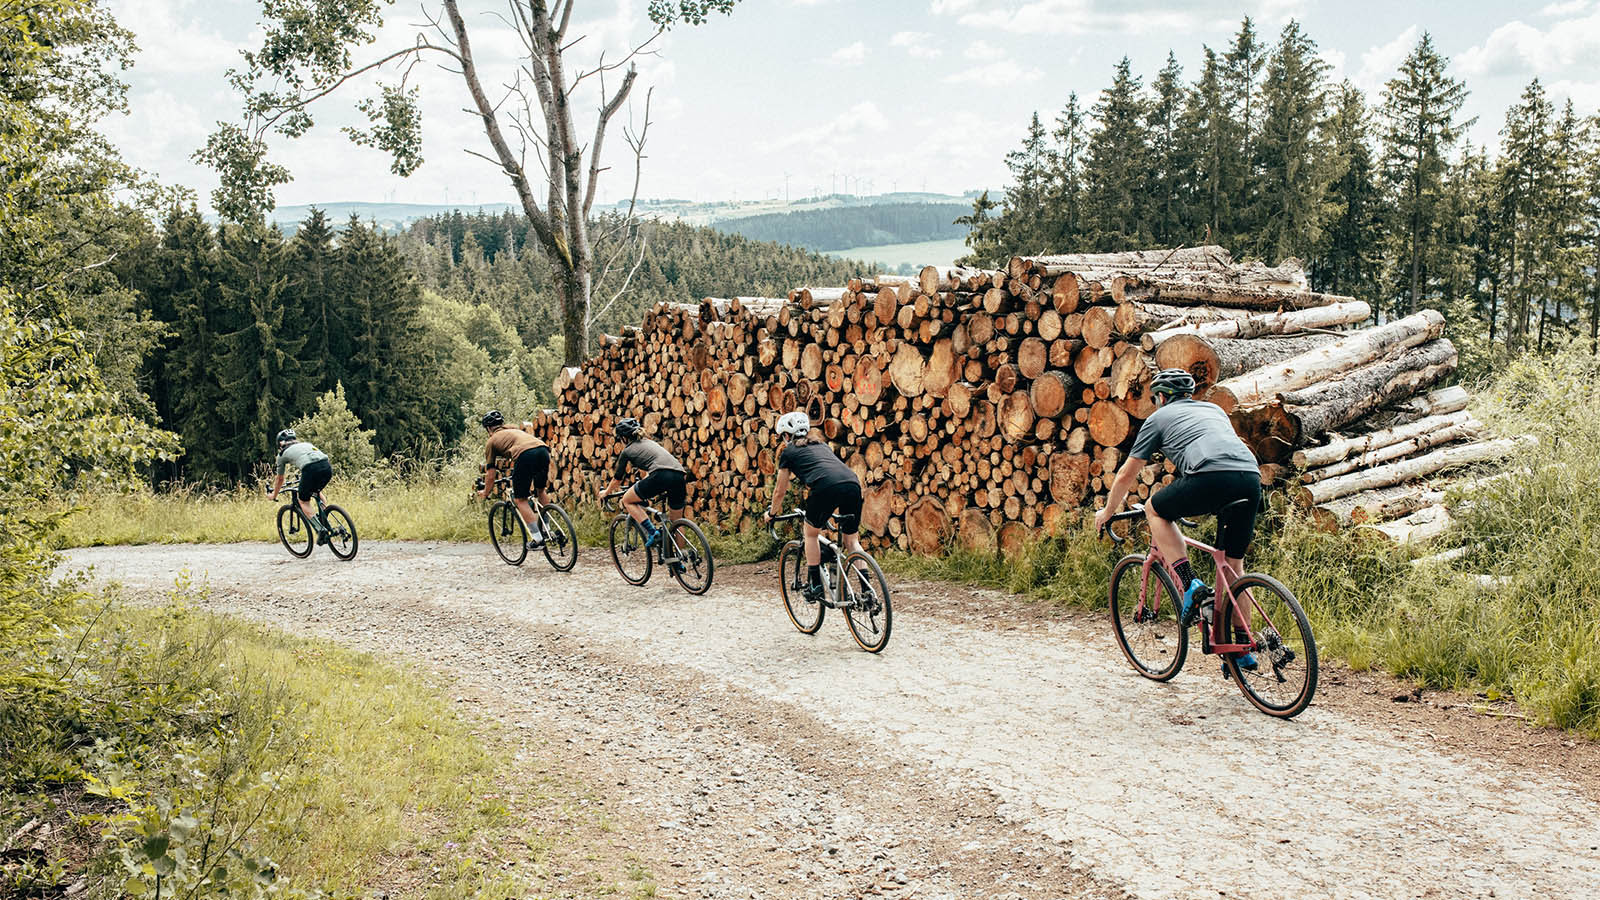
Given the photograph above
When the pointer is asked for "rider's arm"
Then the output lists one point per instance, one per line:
(490, 476)
(277, 485)
(779, 490)
(1123, 482)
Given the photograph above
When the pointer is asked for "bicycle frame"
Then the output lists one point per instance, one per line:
(824, 543)
(294, 497)
(613, 503)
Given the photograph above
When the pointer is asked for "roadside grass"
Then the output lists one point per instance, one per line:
(187, 754)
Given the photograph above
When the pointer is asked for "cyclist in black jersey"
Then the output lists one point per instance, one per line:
(833, 488)
(663, 475)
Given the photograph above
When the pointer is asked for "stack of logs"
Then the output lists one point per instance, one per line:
(991, 404)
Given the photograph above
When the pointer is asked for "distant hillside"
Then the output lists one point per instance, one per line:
(854, 226)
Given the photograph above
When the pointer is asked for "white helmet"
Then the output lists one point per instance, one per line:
(794, 425)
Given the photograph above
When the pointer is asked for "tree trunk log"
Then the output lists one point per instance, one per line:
(1262, 385)
(1318, 410)
(1340, 448)
(1405, 470)
(1289, 322)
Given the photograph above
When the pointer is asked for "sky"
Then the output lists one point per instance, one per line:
(795, 97)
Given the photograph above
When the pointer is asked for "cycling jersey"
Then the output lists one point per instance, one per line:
(509, 443)
(816, 465)
(299, 454)
(1196, 436)
(647, 456)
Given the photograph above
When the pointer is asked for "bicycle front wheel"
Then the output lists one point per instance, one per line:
(806, 616)
(864, 597)
(694, 566)
(342, 538)
(1144, 617)
(1285, 674)
(560, 538)
(632, 557)
(295, 532)
(508, 534)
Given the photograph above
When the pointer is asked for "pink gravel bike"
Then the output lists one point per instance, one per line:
(1245, 614)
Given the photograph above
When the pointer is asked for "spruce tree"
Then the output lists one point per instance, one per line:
(186, 370)
(1528, 160)
(1349, 258)
(1115, 174)
(1295, 165)
(1026, 214)
(1168, 157)
(1071, 135)
(1210, 137)
(1419, 110)
(311, 295)
(1244, 62)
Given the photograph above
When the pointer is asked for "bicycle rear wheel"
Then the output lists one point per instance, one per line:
(509, 535)
(632, 558)
(342, 538)
(1150, 635)
(864, 596)
(806, 616)
(1285, 676)
(695, 565)
(560, 538)
(295, 532)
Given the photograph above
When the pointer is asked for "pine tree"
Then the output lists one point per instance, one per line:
(1294, 161)
(185, 371)
(1071, 135)
(1419, 110)
(1590, 217)
(1168, 160)
(1528, 161)
(1349, 259)
(1244, 62)
(1211, 137)
(1026, 214)
(310, 295)
(983, 238)
(1116, 171)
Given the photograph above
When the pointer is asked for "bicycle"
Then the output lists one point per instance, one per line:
(682, 548)
(300, 538)
(854, 585)
(1241, 615)
(509, 533)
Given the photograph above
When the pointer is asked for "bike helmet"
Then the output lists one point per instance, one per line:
(492, 419)
(287, 436)
(794, 425)
(629, 429)
(1177, 382)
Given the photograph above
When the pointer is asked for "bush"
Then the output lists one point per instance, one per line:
(336, 431)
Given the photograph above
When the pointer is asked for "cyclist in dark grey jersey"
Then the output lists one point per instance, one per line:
(315, 473)
(833, 489)
(663, 475)
(1214, 467)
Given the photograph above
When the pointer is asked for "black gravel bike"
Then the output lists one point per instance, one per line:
(298, 535)
(509, 533)
(852, 583)
(682, 548)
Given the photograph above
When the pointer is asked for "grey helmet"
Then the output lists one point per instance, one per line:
(492, 418)
(287, 436)
(1172, 381)
(629, 429)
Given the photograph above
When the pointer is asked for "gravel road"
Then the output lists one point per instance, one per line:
(989, 752)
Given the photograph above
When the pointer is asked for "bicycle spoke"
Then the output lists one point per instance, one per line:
(1144, 618)
(1285, 654)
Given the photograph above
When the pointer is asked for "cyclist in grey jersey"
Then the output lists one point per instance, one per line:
(315, 473)
(664, 475)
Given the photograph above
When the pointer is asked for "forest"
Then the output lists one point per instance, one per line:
(853, 226)
(1382, 197)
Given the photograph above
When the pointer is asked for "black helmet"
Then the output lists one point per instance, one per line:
(629, 429)
(1172, 381)
(287, 436)
(492, 418)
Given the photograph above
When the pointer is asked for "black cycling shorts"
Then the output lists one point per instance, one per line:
(530, 472)
(1204, 493)
(314, 477)
(843, 497)
(664, 481)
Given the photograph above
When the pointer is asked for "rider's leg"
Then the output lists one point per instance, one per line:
(1168, 539)
(525, 510)
(634, 505)
(305, 507)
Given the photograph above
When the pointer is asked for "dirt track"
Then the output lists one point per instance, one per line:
(989, 752)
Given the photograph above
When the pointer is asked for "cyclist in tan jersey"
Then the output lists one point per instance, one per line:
(530, 469)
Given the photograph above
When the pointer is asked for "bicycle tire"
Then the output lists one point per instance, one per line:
(864, 596)
(806, 616)
(695, 566)
(560, 538)
(508, 533)
(342, 537)
(627, 544)
(292, 526)
(1279, 653)
(1157, 646)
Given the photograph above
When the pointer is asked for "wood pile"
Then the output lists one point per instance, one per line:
(988, 405)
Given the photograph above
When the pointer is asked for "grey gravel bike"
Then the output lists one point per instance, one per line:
(852, 583)
(681, 548)
(509, 534)
(298, 535)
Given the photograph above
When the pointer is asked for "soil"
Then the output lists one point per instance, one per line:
(996, 749)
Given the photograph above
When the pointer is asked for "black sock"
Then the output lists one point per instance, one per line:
(1185, 574)
(814, 573)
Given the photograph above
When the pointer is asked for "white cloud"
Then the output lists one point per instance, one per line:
(1585, 95)
(809, 2)
(981, 49)
(1335, 60)
(940, 7)
(999, 73)
(863, 118)
(171, 42)
(1379, 64)
(1565, 9)
(1517, 48)
(916, 43)
(852, 55)
(1065, 17)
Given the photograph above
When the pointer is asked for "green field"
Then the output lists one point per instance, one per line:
(924, 253)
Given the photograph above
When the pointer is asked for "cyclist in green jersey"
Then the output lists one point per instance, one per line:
(315, 473)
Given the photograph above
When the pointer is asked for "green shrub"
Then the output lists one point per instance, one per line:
(336, 431)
